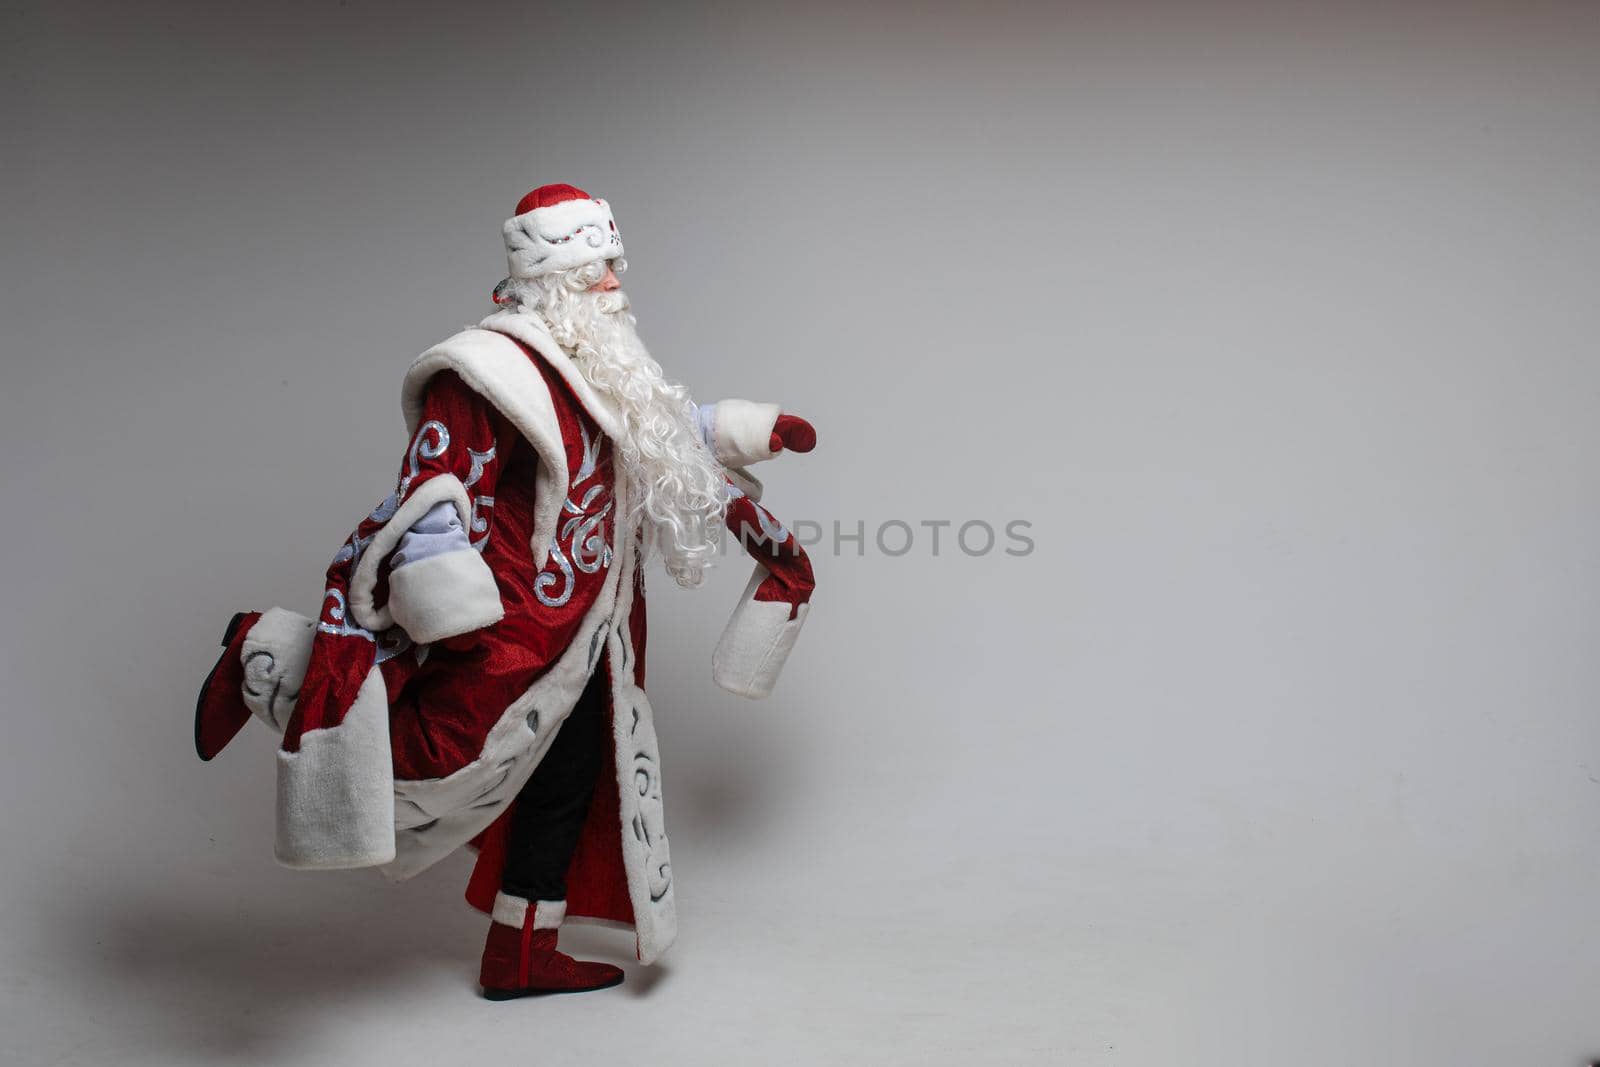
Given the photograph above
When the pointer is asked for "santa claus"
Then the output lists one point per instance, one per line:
(476, 672)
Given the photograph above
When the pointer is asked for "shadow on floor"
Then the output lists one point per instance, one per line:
(189, 977)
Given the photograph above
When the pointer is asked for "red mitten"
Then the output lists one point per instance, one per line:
(794, 433)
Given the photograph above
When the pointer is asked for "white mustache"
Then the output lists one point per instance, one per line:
(612, 303)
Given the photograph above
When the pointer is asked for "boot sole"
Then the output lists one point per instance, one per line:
(517, 994)
(200, 702)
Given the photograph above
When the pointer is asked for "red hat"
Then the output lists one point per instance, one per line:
(558, 227)
(549, 196)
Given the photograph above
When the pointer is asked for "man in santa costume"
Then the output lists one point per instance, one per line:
(476, 672)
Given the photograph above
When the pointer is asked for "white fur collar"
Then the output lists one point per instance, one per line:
(531, 331)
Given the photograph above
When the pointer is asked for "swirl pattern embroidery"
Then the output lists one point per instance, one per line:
(431, 441)
(580, 542)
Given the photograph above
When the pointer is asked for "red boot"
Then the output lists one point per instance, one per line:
(220, 712)
(520, 958)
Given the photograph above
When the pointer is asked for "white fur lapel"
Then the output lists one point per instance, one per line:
(496, 369)
(531, 331)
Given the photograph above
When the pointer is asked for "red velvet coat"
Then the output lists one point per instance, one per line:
(424, 696)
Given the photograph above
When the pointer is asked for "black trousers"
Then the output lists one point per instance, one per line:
(549, 812)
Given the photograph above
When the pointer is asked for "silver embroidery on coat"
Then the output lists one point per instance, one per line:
(393, 641)
(340, 626)
(421, 449)
(584, 534)
(479, 522)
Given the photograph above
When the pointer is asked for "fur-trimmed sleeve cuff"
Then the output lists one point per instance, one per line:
(756, 642)
(740, 431)
(444, 596)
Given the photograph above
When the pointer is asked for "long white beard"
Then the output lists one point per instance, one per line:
(675, 486)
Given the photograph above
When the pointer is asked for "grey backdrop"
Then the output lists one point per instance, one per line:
(1276, 322)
